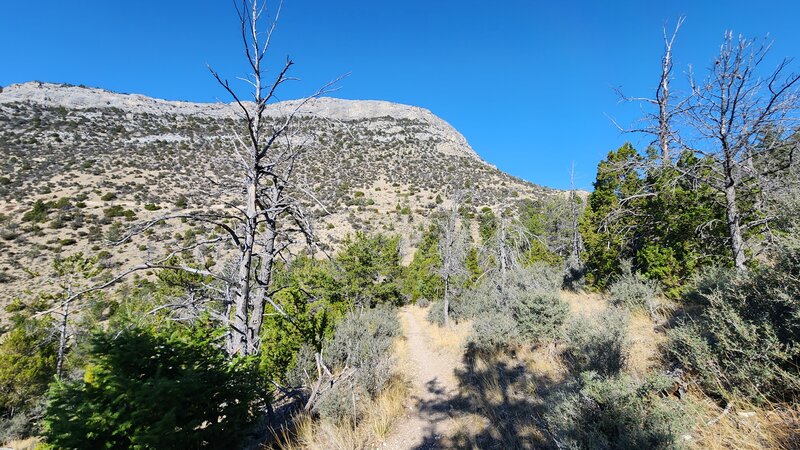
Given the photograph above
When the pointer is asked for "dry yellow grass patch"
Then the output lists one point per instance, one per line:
(544, 362)
(374, 426)
(645, 344)
(584, 304)
(744, 426)
(508, 402)
(465, 429)
(23, 444)
(451, 339)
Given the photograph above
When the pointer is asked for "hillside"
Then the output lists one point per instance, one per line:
(100, 157)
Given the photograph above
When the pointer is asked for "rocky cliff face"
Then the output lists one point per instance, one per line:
(78, 98)
(99, 158)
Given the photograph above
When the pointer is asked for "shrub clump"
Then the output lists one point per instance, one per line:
(37, 213)
(574, 275)
(345, 401)
(539, 315)
(155, 389)
(362, 341)
(744, 342)
(494, 330)
(634, 292)
(598, 344)
(27, 365)
(618, 413)
(543, 277)
(436, 313)
(523, 306)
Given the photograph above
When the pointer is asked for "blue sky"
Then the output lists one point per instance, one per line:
(528, 83)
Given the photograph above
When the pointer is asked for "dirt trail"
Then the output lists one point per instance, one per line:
(433, 389)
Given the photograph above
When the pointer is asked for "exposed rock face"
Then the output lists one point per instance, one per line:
(96, 155)
(82, 98)
(78, 97)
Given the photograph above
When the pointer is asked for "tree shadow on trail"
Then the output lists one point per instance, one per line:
(434, 411)
(497, 406)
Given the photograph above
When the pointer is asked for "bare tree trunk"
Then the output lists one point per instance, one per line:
(239, 336)
(446, 300)
(452, 250)
(664, 104)
(62, 338)
(734, 225)
(265, 278)
(665, 110)
(576, 236)
(503, 251)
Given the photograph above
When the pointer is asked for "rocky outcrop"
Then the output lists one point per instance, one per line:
(83, 98)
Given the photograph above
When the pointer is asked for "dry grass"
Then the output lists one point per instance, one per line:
(451, 340)
(309, 433)
(646, 342)
(504, 404)
(584, 304)
(544, 363)
(744, 426)
(313, 434)
(23, 444)
(465, 430)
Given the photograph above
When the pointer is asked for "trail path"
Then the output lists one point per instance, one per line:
(433, 389)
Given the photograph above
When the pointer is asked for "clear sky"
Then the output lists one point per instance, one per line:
(528, 83)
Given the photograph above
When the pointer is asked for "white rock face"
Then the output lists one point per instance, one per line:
(76, 97)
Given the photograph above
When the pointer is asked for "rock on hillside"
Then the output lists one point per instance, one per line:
(82, 98)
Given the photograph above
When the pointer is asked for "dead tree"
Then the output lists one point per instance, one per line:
(62, 338)
(505, 250)
(72, 275)
(266, 171)
(729, 113)
(262, 218)
(452, 250)
(574, 217)
(665, 106)
(269, 218)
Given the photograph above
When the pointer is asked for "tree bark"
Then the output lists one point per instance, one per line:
(265, 279)
(62, 339)
(576, 235)
(734, 226)
(239, 336)
(446, 301)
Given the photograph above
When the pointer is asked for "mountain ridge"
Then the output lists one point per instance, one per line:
(82, 97)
